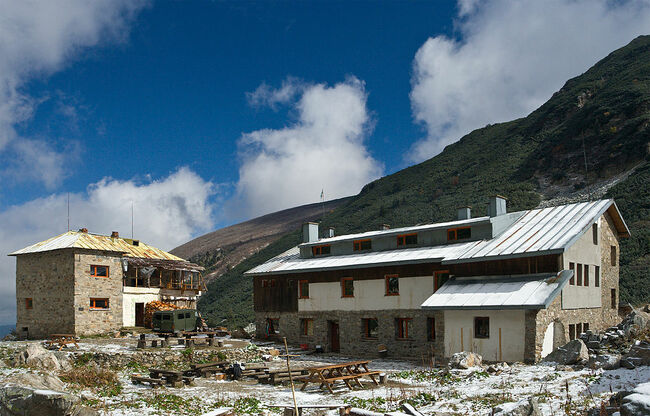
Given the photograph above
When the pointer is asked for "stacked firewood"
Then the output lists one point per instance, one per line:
(154, 306)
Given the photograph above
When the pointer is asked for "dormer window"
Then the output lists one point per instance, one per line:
(360, 245)
(461, 233)
(407, 240)
(321, 250)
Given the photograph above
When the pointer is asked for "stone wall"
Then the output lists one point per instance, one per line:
(352, 341)
(598, 319)
(47, 278)
(87, 320)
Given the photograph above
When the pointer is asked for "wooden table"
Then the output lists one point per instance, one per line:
(172, 378)
(348, 372)
(62, 340)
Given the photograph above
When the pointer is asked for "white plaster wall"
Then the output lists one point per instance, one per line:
(368, 295)
(510, 322)
(133, 295)
(583, 251)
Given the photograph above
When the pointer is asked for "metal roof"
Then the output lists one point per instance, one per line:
(83, 240)
(499, 292)
(536, 232)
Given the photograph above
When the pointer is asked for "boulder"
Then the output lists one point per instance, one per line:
(465, 360)
(36, 356)
(605, 361)
(35, 381)
(637, 403)
(574, 352)
(18, 401)
(639, 354)
(524, 407)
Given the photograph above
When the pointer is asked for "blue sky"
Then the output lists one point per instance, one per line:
(200, 114)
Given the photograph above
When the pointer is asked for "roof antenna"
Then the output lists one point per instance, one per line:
(68, 211)
(131, 220)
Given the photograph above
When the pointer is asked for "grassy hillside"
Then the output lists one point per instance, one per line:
(602, 115)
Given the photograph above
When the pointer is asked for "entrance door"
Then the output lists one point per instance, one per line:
(139, 314)
(334, 336)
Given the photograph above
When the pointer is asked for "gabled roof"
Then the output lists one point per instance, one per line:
(499, 292)
(84, 240)
(536, 232)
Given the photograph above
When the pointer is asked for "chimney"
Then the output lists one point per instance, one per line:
(464, 213)
(115, 234)
(330, 232)
(83, 230)
(309, 232)
(497, 206)
(385, 227)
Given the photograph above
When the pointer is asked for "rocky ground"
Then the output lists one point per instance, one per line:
(95, 379)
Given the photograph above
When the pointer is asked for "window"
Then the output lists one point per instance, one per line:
(594, 232)
(181, 315)
(166, 317)
(613, 293)
(29, 303)
(321, 250)
(579, 275)
(98, 271)
(370, 327)
(347, 287)
(407, 240)
(98, 303)
(459, 233)
(613, 255)
(585, 326)
(272, 282)
(272, 326)
(572, 332)
(265, 283)
(402, 328)
(572, 281)
(578, 330)
(585, 280)
(303, 289)
(481, 327)
(439, 279)
(431, 329)
(392, 284)
(307, 327)
(597, 276)
(359, 245)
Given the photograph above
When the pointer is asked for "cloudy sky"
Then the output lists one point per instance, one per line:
(200, 114)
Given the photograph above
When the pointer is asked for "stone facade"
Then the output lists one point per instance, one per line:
(352, 341)
(48, 280)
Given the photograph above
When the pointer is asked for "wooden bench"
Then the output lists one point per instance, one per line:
(61, 340)
(153, 382)
(327, 375)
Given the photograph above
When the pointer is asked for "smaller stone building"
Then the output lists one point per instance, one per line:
(83, 284)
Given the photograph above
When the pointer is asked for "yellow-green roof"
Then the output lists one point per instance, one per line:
(84, 240)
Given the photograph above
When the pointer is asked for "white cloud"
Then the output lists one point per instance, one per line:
(265, 95)
(511, 57)
(167, 213)
(323, 149)
(38, 38)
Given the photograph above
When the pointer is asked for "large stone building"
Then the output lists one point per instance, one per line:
(509, 286)
(82, 283)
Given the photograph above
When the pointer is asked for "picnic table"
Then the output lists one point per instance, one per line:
(347, 372)
(171, 377)
(61, 340)
(190, 336)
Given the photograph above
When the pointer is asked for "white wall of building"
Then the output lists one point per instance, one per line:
(133, 295)
(506, 341)
(585, 252)
(368, 295)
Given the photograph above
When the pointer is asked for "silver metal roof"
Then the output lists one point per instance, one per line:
(499, 292)
(536, 232)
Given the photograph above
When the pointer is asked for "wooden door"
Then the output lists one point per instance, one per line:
(139, 314)
(334, 336)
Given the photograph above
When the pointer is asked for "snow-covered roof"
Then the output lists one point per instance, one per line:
(499, 292)
(536, 232)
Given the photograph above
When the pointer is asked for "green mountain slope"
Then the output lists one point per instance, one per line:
(601, 116)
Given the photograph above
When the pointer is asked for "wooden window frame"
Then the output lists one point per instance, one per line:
(401, 240)
(477, 335)
(387, 278)
(93, 304)
(436, 283)
(320, 250)
(597, 276)
(357, 245)
(29, 303)
(431, 328)
(614, 253)
(455, 233)
(579, 274)
(585, 275)
(399, 334)
(305, 327)
(585, 326)
(572, 281)
(276, 331)
(594, 232)
(572, 332)
(93, 270)
(366, 328)
(265, 283)
(272, 282)
(579, 330)
(301, 293)
(343, 280)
